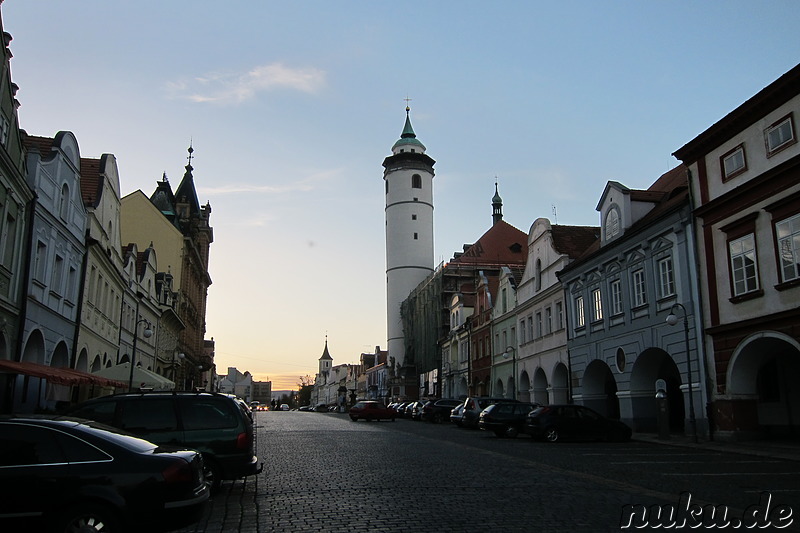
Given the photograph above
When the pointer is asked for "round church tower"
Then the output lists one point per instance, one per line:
(408, 179)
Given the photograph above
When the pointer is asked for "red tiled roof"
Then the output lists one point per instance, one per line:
(90, 181)
(574, 240)
(502, 244)
(42, 144)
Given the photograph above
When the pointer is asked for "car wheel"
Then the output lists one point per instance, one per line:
(354, 418)
(511, 432)
(437, 418)
(88, 518)
(551, 435)
(213, 475)
(392, 419)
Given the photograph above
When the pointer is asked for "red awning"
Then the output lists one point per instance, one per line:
(59, 376)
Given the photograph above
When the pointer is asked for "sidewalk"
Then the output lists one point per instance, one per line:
(776, 449)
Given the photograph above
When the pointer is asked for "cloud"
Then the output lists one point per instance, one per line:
(235, 88)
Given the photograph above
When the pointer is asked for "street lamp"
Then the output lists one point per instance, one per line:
(513, 352)
(148, 332)
(672, 319)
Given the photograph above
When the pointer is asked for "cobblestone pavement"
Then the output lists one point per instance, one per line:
(323, 472)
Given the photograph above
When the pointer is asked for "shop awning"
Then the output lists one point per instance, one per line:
(59, 376)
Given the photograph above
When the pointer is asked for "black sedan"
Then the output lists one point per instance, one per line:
(505, 419)
(69, 475)
(576, 422)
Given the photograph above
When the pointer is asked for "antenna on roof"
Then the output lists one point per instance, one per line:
(555, 215)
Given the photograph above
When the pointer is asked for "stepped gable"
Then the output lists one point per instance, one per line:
(502, 244)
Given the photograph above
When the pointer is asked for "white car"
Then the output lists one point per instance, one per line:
(284, 407)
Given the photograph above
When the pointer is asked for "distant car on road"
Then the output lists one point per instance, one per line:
(473, 407)
(284, 407)
(371, 410)
(71, 475)
(576, 422)
(437, 411)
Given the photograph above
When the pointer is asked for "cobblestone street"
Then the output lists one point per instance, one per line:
(323, 472)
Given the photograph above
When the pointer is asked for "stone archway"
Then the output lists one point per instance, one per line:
(762, 396)
(600, 389)
(651, 365)
(82, 362)
(560, 389)
(540, 386)
(60, 357)
(524, 387)
(498, 389)
(34, 348)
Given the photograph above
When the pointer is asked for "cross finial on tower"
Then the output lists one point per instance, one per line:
(408, 108)
(191, 151)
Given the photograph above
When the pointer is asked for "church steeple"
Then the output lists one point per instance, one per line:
(497, 206)
(325, 360)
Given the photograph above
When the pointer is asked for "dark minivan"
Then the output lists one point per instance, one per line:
(213, 424)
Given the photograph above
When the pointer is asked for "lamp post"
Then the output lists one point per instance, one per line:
(148, 332)
(672, 319)
(513, 352)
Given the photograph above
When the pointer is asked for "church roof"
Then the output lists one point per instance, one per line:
(326, 354)
(502, 244)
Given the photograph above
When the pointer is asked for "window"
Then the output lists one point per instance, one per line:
(744, 269)
(597, 305)
(58, 274)
(5, 126)
(538, 275)
(413, 217)
(530, 327)
(416, 236)
(788, 235)
(666, 277)
(779, 135)
(734, 162)
(63, 209)
(612, 223)
(616, 297)
(416, 181)
(548, 321)
(639, 289)
(522, 331)
(41, 257)
(559, 316)
(539, 332)
(579, 322)
(10, 235)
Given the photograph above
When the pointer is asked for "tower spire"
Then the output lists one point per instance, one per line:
(497, 205)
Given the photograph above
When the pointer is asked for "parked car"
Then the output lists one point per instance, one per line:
(473, 407)
(416, 409)
(407, 410)
(71, 475)
(371, 410)
(560, 422)
(457, 414)
(214, 424)
(438, 411)
(400, 409)
(284, 407)
(505, 419)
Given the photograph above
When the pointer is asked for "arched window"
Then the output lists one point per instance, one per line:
(538, 274)
(416, 181)
(612, 223)
(64, 201)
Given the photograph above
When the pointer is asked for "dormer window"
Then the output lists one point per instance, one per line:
(612, 226)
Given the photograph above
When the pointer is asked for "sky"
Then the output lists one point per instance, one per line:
(291, 107)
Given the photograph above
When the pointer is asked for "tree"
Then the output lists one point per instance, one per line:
(305, 387)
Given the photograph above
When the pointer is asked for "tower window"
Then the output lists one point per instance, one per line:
(416, 181)
(413, 217)
(416, 236)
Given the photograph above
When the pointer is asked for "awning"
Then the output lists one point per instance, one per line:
(59, 376)
(141, 377)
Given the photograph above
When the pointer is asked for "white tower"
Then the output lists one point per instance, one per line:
(408, 178)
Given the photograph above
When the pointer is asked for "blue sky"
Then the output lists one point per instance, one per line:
(292, 106)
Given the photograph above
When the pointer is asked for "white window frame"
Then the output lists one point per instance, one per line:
(734, 162)
(597, 305)
(639, 288)
(666, 277)
(579, 316)
(615, 288)
(779, 135)
(744, 276)
(787, 232)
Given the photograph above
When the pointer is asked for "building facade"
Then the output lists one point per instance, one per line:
(745, 182)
